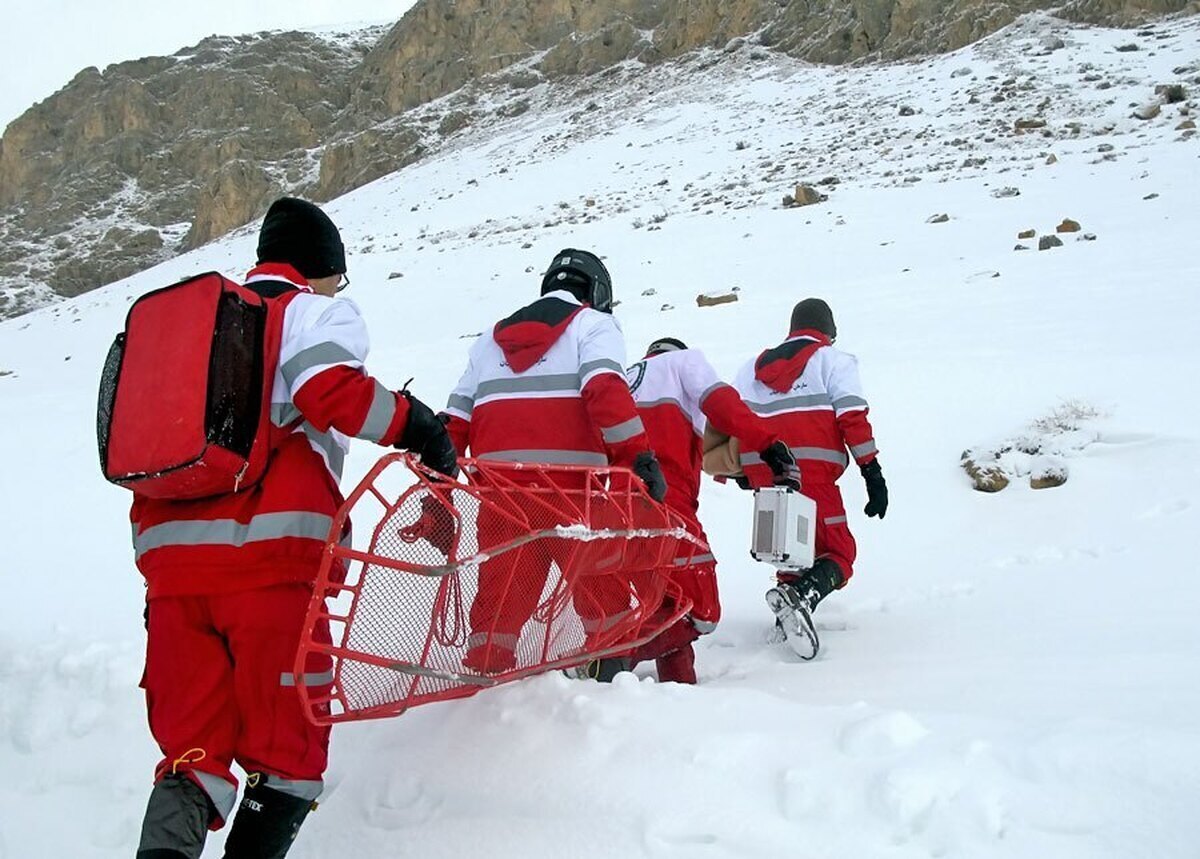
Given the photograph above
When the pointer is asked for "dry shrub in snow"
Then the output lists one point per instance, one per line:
(1037, 455)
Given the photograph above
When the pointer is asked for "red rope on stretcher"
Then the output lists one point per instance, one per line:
(450, 620)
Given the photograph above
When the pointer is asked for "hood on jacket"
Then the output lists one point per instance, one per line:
(529, 333)
(779, 368)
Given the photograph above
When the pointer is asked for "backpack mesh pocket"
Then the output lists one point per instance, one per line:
(108, 395)
(235, 390)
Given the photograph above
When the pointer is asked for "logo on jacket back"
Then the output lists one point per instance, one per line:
(635, 375)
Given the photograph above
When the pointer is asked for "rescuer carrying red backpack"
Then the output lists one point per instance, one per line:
(229, 575)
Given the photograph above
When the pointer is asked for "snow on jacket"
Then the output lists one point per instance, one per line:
(274, 532)
(810, 395)
(548, 385)
(676, 393)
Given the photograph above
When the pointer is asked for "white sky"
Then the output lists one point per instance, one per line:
(44, 43)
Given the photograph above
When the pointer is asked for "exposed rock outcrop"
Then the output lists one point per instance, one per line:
(176, 151)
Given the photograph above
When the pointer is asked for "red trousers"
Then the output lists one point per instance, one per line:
(220, 688)
(834, 539)
(512, 582)
(696, 576)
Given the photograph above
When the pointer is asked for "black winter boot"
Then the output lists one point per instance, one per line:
(824, 578)
(266, 823)
(604, 670)
(176, 822)
(794, 600)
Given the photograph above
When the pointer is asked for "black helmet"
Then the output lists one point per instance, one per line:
(665, 344)
(582, 274)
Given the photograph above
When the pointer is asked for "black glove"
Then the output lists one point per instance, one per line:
(426, 435)
(647, 468)
(877, 496)
(779, 459)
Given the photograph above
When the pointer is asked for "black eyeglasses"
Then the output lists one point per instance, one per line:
(343, 283)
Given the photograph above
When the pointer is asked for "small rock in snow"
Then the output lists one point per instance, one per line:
(1045, 243)
(937, 219)
(712, 299)
(1171, 93)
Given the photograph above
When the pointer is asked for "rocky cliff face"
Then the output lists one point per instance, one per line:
(125, 167)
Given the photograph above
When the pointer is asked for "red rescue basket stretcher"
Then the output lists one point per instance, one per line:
(522, 569)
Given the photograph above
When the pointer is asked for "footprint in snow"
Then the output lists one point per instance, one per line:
(881, 734)
(671, 836)
(402, 803)
(1168, 508)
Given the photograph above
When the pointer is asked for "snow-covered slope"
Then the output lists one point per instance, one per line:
(1008, 675)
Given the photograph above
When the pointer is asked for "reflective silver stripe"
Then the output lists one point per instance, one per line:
(835, 520)
(463, 404)
(704, 627)
(315, 356)
(843, 403)
(556, 457)
(589, 367)
(287, 678)
(817, 453)
(326, 443)
(528, 384)
(664, 401)
(715, 386)
(379, 417)
(283, 414)
(623, 431)
(229, 532)
(867, 448)
(694, 559)
(804, 401)
(299, 788)
(606, 623)
(221, 792)
(500, 639)
(821, 454)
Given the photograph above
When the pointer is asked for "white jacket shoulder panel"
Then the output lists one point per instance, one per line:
(681, 378)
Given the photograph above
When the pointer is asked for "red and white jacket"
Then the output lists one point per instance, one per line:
(810, 396)
(274, 531)
(547, 385)
(676, 392)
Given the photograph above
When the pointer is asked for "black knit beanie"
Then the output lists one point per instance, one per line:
(814, 313)
(300, 234)
(665, 344)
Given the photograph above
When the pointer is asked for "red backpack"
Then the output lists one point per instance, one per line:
(185, 395)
